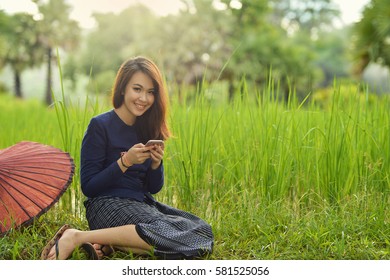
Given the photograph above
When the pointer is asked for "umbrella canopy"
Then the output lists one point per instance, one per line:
(33, 176)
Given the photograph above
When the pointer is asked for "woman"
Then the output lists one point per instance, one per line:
(119, 174)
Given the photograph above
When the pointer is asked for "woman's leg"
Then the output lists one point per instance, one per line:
(123, 236)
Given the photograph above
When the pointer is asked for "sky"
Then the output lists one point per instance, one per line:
(82, 9)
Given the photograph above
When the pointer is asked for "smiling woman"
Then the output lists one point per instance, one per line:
(138, 97)
(137, 88)
(119, 174)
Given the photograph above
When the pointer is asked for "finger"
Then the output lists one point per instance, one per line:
(147, 148)
(144, 155)
(156, 160)
(157, 152)
(159, 149)
(141, 150)
(139, 145)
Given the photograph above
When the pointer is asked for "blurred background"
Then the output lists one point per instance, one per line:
(302, 45)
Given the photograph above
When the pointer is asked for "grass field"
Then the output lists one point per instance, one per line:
(275, 180)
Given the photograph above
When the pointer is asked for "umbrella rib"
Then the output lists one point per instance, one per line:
(45, 150)
(21, 207)
(31, 172)
(54, 187)
(12, 166)
(42, 156)
(38, 190)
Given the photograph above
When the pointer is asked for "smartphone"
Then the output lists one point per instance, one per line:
(155, 142)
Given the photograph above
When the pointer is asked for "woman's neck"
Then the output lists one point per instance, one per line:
(124, 115)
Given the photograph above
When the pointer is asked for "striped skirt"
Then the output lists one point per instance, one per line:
(172, 232)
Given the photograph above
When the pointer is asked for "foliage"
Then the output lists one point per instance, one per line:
(56, 30)
(25, 41)
(194, 44)
(308, 16)
(4, 28)
(372, 36)
(21, 45)
(114, 39)
(223, 40)
(102, 82)
(183, 55)
(265, 45)
(332, 55)
(349, 92)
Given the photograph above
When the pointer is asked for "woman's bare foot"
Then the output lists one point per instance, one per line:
(64, 246)
(103, 250)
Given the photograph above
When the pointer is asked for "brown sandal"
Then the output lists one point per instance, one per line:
(54, 242)
(91, 251)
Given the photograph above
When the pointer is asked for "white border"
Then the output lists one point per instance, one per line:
(229, 269)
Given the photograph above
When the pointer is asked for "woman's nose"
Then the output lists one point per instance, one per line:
(143, 96)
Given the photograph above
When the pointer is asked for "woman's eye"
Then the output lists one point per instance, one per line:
(137, 89)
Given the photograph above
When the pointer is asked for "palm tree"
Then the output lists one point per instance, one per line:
(21, 46)
(57, 31)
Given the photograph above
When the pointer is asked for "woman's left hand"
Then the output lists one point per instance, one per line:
(156, 154)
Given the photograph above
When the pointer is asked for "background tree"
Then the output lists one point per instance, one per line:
(22, 49)
(266, 48)
(194, 44)
(116, 38)
(331, 55)
(57, 30)
(4, 30)
(185, 45)
(372, 36)
(309, 16)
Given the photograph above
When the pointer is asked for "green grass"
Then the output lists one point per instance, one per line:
(275, 180)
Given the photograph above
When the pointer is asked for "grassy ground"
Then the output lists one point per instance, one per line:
(275, 181)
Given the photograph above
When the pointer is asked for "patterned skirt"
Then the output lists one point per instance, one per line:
(173, 233)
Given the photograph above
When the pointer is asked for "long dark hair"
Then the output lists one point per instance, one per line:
(153, 123)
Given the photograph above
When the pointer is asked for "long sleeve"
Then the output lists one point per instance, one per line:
(95, 178)
(155, 179)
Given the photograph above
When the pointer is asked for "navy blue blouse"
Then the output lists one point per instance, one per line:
(104, 140)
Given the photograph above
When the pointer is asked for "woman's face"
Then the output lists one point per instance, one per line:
(138, 95)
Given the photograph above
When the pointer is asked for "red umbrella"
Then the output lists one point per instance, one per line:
(33, 176)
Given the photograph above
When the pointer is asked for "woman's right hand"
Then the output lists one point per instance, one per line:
(137, 154)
